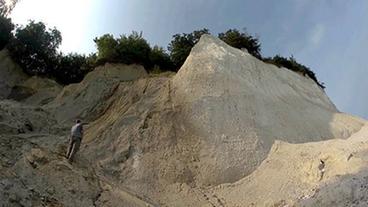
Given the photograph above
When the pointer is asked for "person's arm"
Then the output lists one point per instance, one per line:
(71, 134)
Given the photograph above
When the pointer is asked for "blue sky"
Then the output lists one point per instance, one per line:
(329, 36)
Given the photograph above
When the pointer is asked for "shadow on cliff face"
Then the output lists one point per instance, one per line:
(345, 190)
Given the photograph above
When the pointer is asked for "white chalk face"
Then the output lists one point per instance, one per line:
(70, 17)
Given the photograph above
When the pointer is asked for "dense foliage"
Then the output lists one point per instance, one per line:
(160, 59)
(291, 64)
(6, 28)
(181, 45)
(71, 68)
(34, 48)
(107, 49)
(134, 49)
(240, 40)
(131, 49)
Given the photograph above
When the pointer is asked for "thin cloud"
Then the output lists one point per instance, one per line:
(317, 34)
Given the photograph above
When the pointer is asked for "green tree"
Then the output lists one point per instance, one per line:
(241, 40)
(280, 61)
(34, 48)
(159, 58)
(127, 49)
(181, 45)
(291, 64)
(107, 49)
(6, 28)
(134, 49)
(91, 61)
(70, 68)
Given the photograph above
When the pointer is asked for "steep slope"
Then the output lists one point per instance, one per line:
(226, 130)
(35, 91)
(33, 169)
(10, 74)
(16, 85)
(87, 99)
(214, 122)
(238, 105)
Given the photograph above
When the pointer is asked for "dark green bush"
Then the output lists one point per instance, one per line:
(91, 61)
(291, 64)
(70, 68)
(131, 49)
(107, 49)
(6, 28)
(34, 48)
(240, 40)
(181, 45)
(159, 58)
(134, 49)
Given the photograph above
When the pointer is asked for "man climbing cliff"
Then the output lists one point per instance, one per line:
(75, 139)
